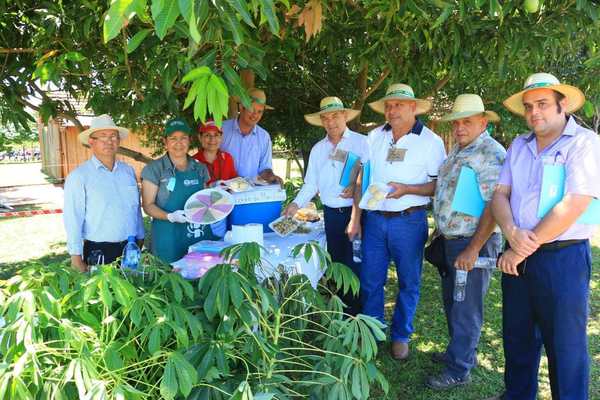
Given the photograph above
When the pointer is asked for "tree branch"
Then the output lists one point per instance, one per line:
(439, 85)
(126, 59)
(16, 50)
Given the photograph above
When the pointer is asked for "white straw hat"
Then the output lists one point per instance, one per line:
(100, 123)
(330, 104)
(468, 105)
(541, 80)
(400, 91)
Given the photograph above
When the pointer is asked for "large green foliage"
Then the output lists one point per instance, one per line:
(111, 336)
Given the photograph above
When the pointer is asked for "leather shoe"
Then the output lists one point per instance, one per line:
(399, 350)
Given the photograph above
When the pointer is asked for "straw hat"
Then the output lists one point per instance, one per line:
(100, 123)
(400, 91)
(575, 97)
(258, 96)
(330, 104)
(468, 105)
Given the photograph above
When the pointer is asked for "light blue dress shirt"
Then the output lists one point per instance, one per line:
(101, 205)
(252, 153)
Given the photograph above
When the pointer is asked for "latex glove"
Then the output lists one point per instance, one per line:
(177, 217)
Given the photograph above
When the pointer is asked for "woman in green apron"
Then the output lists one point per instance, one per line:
(166, 185)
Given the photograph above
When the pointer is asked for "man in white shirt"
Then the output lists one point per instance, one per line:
(404, 158)
(330, 158)
(102, 200)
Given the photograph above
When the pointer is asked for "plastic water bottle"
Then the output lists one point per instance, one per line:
(460, 285)
(485, 263)
(357, 250)
(131, 255)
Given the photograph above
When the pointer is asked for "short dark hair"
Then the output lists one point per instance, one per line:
(558, 96)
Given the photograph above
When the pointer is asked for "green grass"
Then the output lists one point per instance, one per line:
(41, 238)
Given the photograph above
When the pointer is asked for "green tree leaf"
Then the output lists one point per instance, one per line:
(166, 18)
(137, 39)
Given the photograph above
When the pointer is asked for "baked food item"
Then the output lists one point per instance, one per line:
(307, 215)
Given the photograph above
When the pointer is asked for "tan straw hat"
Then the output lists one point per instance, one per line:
(468, 105)
(100, 123)
(575, 97)
(400, 91)
(258, 96)
(330, 104)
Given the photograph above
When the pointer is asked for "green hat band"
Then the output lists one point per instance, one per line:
(257, 100)
(333, 106)
(538, 85)
(401, 92)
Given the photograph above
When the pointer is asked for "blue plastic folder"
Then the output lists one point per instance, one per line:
(553, 190)
(366, 177)
(467, 197)
(349, 165)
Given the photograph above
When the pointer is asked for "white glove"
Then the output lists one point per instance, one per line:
(177, 216)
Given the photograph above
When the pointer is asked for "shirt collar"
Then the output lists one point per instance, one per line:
(417, 128)
(236, 124)
(98, 164)
(168, 165)
(344, 136)
(570, 129)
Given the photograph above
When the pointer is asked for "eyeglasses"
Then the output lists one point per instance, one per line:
(216, 136)
(108, 138)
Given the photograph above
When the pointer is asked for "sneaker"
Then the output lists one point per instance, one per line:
(446, 381)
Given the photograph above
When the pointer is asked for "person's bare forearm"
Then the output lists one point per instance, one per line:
(424, 189)
(155, 211)
(501, 212)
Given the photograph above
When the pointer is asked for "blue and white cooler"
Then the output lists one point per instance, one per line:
(261, 205)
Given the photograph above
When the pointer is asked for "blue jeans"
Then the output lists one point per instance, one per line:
(548, 304)
(466, 317)
(340, 249)
(400, 239)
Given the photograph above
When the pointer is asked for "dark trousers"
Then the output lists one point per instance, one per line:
(340, 249)
(111, 251)
(465, 318)
(548, 304)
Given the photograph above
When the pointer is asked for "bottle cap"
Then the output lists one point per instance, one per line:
(131, 238)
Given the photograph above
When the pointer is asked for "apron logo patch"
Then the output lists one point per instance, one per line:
(190, 182)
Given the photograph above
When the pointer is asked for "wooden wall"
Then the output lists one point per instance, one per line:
(62, 152)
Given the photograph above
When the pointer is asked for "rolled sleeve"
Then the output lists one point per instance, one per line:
(74, 213)
(436, 159)
(583, 168)
(150, 174)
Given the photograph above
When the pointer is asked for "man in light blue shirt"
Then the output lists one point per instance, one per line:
(248, 143)
(326, 165)
(102, 201)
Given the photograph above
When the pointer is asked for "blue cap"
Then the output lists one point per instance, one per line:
(131, 238)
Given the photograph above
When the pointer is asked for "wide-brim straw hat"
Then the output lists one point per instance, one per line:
(468, 105)
(400, 91)
(541, 80)
(257, 96)
(330, 104)
(100, 123)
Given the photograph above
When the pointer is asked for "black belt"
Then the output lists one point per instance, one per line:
(340, 210)
(405, 212)
(560, 244)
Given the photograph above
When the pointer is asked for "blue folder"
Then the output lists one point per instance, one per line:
(349, 165)
(366, 177)
(467, 197)
(553, 190)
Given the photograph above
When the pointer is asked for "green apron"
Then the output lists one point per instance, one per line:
(170, 241)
